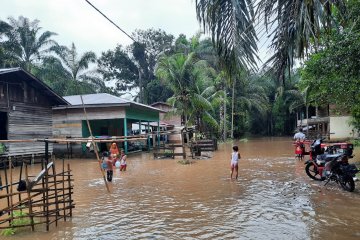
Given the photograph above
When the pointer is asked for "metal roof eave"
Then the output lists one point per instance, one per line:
(143, 106)
(91, 106)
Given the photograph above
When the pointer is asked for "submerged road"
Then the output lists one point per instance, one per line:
(162, 199)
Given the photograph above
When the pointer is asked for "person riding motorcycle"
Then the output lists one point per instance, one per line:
(299, 138)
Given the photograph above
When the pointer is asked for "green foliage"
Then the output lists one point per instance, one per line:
(232, 29)
(356, 142)
(279, 112)
(25, 45)
(333, 74)
(133, 66)
(299, 27)
(21, 220)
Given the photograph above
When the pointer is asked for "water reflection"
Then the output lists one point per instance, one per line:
(161, 199)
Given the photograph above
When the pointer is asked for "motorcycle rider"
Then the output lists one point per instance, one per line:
(299, 138)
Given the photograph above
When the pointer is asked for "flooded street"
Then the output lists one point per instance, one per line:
(162, 199)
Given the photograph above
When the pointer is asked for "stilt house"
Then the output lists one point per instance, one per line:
(25, 112)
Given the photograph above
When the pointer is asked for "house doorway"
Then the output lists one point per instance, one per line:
(3, 126)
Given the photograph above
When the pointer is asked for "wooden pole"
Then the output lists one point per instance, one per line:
(69, 188)
(6, 184)
(29, 202)
(21, 169)
(94, 145)
(63, 186)
(11, 189)
(56, 194)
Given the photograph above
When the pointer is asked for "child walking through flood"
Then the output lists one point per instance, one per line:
(235, 156)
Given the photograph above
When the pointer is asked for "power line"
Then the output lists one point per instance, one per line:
(110, 21)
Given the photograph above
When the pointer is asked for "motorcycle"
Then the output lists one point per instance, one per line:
(331, 164)
(341, 172)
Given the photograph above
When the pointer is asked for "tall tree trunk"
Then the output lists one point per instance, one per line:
(225, 128)
(307, 120)
(232, 108)
(141, 94)
(221, 128)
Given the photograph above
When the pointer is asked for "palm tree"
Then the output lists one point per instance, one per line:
(194, 96)
(75, 69)
(4, 28)
(299, 25)
(232, 29)
(251, 97)
(26, 46)
(176, 72)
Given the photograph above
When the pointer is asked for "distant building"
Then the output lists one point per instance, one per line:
(25, 111)
(168, 121)
(108, 115)
(326, 121)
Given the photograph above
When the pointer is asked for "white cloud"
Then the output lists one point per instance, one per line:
(76, 21)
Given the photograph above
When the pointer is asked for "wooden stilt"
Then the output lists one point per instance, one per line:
(63, 186)
(69, 187)
(11, 189)
(29, 202)
(56, 194)
(95, 146)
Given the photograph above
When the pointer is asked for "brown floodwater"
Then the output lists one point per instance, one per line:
(162, 199)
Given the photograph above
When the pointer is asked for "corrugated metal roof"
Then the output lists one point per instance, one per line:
(102, 100)
(99, 98)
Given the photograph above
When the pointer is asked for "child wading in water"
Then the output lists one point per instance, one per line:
(122, 161)
(235, 156)
(108, 163)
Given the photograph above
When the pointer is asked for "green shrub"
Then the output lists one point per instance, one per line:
(23, 220)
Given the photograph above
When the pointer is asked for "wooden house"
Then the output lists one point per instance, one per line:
(25, 112)
(169, 122)
(326, 121)
(108, 116)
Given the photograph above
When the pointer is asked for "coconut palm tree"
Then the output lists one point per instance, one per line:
(298, 27)
(232, 30)
(26, 45)
(176, 71)
(194, 96)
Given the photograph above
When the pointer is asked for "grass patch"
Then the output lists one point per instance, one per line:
(356, 142)
(185, 162)
(23, 220)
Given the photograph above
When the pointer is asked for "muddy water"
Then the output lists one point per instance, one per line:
(162, 199)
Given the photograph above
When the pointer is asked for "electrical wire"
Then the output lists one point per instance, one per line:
(128, 35)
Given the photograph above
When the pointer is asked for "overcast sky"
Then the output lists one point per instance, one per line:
(76, 21)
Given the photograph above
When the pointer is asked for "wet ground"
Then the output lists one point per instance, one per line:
(162, 199)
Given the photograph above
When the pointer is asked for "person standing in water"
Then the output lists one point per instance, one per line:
(235, 156)
(299, 138)
(123, 161)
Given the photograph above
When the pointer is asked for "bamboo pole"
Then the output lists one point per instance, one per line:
(94, 145)
(7, 184)
(69, 188)
(56, 193)
(63, 185)
(29, 202)
(20, 175)
(11, 190)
